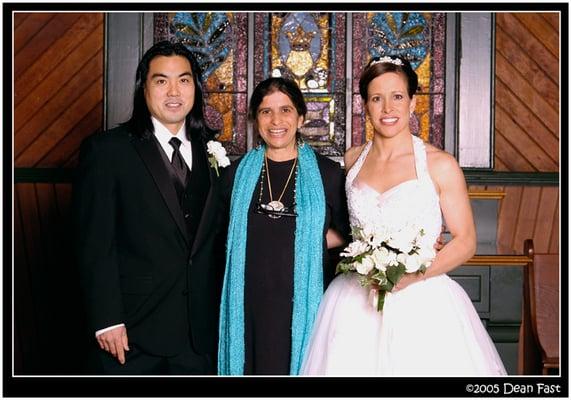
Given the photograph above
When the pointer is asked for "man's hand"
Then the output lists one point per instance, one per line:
(115, 342)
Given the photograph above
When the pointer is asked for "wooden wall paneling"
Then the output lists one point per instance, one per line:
(498, 163)
(63, 152)
(65, 301)
(529, 212)
(63, 196)
(25, 325)
(19, 17)
(54, 55)
(552, 19)
(519, 84)
(554, 241)
(71, 105)
(528, 67)
(51, 285)
(37, 102)
(85, 103)
(509, 155)
(43, 39)
(543, 31)
(507, 221)
(17, 351)
(527, 147)
(531, 45)
(527, 217)
(547, 208)
(513, 105)
(72, 159)
(47, 213)
(27, 26)
(65, 98)
(52, 299)
(28, 276)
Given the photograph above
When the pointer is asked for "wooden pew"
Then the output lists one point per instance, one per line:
(539, 335)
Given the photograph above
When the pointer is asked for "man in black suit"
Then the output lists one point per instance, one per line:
(149, 240)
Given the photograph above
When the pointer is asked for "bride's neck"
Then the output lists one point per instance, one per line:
(387, 148)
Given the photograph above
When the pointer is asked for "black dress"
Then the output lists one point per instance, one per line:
(268, 290)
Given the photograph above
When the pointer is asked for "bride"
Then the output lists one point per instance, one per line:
(428, 326)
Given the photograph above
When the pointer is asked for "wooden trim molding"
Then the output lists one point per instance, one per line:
(487, 177)
(43, 175)
(486, 194)
(498, 260)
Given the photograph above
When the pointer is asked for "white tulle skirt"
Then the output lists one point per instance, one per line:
(428, 329)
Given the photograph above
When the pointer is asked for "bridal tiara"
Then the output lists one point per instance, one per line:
(388, 59)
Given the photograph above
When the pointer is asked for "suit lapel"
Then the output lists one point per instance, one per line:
(198, 145)
(149, 151)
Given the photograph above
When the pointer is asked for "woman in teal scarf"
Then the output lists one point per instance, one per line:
(287, 208)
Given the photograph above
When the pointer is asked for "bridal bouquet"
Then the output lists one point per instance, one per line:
(382, 257)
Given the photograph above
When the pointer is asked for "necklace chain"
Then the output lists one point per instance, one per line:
(272, 203)
(270, 182)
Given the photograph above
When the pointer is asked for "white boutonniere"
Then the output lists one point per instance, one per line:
(217, 156)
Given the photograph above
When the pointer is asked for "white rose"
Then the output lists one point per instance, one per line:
(355, 248)
(366, 233)
(381, 258)
(402, 240)
(412, 263)
(365, 266)
(218, 152)
(376, 240)
(392, 259)
(224, 162)
(213, 147)
(401, 258)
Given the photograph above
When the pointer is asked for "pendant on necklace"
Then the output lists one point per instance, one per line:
(276, 205)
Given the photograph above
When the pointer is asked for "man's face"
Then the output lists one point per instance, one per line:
(169, 90)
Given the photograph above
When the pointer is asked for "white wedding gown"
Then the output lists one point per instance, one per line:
(428, 329)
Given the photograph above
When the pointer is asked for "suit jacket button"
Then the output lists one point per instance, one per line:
(186, 216)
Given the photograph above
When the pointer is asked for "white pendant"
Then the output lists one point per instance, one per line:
(276, 205)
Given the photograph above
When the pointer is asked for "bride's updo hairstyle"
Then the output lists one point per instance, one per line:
(381, 65)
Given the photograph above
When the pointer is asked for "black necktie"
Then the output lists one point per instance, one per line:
(177, 161)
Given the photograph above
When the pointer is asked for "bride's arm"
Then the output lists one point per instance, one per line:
(457, 212)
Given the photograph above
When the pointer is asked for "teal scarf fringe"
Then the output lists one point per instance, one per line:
(308, 259)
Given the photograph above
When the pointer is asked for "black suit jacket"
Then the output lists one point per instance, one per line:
(139, 262)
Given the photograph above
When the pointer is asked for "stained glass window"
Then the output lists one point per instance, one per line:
(220, 43)
(418, 37)
(311, 49)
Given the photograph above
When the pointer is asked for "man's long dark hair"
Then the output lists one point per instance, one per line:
(140, 122)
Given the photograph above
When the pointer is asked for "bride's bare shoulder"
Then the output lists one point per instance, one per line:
(440, 162)
(352, 154)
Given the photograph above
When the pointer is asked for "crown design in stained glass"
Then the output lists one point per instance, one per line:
(300, 39)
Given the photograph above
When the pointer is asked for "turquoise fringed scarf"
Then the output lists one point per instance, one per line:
(308, 259)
